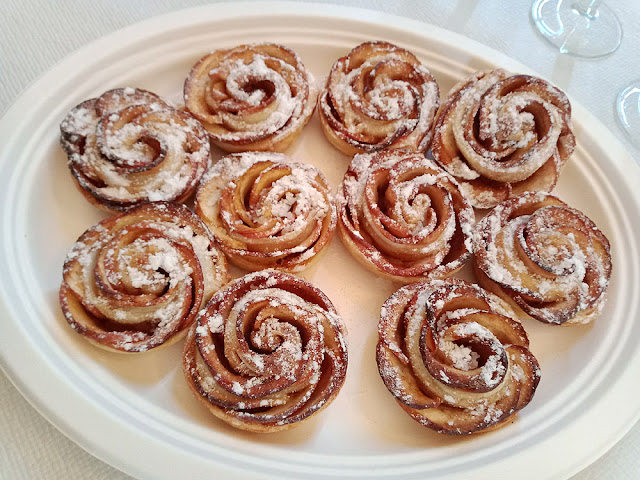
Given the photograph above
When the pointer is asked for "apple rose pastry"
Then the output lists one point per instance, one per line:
(267, 352)
(547, 259)
(455, 356)
(378, 96)
(266, 211)
(129, 147)
(500, 135)
(136, 281)
(251, 97)
(403, 217)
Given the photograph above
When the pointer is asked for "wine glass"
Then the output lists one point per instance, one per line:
(589, 29)
(628, 108)
(584, 28)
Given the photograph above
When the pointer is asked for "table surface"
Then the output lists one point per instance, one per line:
(36, 34)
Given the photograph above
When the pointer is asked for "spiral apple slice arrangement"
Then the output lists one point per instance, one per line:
(136, 281)
(455, 356)
(268, 351)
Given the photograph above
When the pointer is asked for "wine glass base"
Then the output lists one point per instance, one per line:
(582, 33)
(628, 107)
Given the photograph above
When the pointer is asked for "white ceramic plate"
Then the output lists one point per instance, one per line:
(136, 412)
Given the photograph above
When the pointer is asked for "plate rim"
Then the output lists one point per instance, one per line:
(176, 19)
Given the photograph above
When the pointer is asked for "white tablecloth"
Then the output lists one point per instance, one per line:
(35, 34)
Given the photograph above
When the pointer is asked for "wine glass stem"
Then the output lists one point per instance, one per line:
(588, 8)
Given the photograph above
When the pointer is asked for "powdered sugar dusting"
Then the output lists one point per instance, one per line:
(277, 360)
(537, 256)
(500, 133)
(288, 219)
(420, 215)
(129, 146)
(466, 376)
(396, 109)
(251, 94)
(136, 270)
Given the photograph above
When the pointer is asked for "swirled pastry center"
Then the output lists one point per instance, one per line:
(136, 280)
(454, 356)
(546, 257)
(403, 216)
(266, 211)
(129, 147)
(379, 96)
(267, 352)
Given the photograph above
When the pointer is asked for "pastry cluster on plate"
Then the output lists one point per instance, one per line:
(265, 351)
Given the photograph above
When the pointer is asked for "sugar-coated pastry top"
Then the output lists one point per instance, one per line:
(403, 216)
(501, 134)
(455, 356)
(548, 259)
(378, 96)
(135, 281)
(251, 97)
(267, 211)
(267, 352)
(129, 147)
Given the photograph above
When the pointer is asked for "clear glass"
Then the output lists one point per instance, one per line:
(583, 28)
(628, 106)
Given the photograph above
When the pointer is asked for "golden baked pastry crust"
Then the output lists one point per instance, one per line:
(129, 147)
(267, 211)
(251, 97)
(403, 217)
(378, 96)
(501, 134)
(455, 356)
(268, 352)
(136, 281)
(548, 260)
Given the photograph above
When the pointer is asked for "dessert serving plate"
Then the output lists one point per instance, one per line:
(136, 412)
